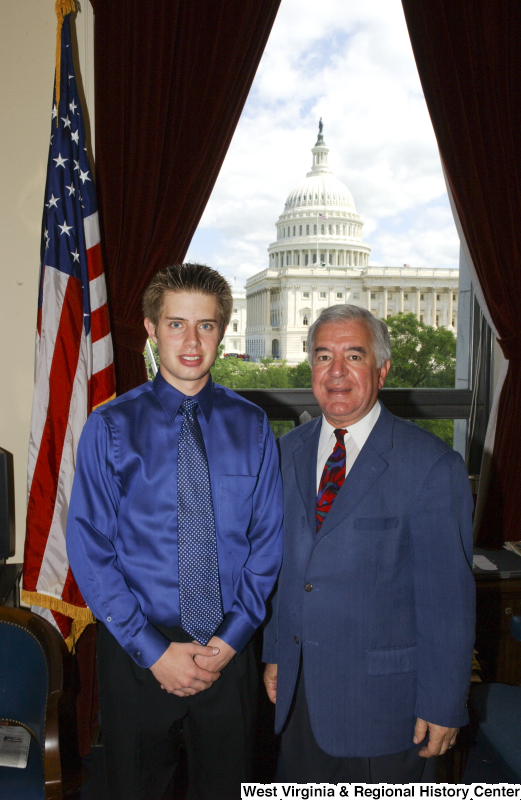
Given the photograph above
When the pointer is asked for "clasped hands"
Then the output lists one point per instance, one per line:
(186, 668)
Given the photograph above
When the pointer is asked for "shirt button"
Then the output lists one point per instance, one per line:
(296, 639)
(109, 619)
(136, 655)
(308, 587)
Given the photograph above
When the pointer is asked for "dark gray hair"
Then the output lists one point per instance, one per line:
(381, 342)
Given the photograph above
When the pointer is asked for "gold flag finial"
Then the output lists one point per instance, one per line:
(62, 8)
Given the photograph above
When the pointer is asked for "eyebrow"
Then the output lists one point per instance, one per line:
(347, 350)
(184, 319)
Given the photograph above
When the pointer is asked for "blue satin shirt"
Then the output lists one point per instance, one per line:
(122, 523)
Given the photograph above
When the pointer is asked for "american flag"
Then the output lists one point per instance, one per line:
(74, 370)
(322, 216)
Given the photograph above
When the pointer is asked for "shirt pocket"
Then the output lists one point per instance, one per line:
(236, 502)
(376, 523)
(392, 661)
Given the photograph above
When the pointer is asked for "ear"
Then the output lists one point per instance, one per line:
(384, 369)
(151, 329)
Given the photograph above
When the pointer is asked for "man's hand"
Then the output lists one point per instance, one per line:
(177, 671)
(440, 738)
(216, 663)
(270, 681)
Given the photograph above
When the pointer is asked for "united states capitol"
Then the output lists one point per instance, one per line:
(319, 259)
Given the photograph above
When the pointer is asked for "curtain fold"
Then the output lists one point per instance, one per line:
(469, 61)
(171, 79)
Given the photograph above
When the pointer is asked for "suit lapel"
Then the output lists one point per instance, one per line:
(365, 471)
(305, 463)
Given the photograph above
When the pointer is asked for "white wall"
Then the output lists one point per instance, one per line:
(27, 52)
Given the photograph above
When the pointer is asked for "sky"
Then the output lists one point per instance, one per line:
(351, 63)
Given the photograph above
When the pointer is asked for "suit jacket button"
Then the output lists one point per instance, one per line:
(308, 587)
(296, 639)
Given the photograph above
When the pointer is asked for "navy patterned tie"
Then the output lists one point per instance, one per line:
(199, 587)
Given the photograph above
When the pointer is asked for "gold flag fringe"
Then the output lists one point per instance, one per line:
(112, 397)
(62, 8)
(81, 617)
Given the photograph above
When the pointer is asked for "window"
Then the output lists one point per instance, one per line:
(356, 296)
(344, 229)
(288, 230)
(304, 346)
(339, 296)
(306, 259)
(421, 317)
(322, 229)
(314, 230)
(283, 233)
(330, 230)
(287, 259)
(437, 320)
(314, 255)
(390, 295)
(422, 297)
(235, 310)
(438, 297)
(373, 295)
(389, 316)
(337, 230)
(406, 297)
(305, 295)
(304, 320)
(234, 327)
(307, 230)
(453, 296)
(294, 229)
(300, 230)
(322, 295)
(331, 258)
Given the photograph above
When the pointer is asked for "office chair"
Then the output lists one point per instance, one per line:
(32, 657)
(495, 708)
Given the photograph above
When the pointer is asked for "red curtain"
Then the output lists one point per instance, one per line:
(171, 79)
(468, 55)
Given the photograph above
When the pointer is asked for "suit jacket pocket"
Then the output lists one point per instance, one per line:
(376, 523)
(391, 661)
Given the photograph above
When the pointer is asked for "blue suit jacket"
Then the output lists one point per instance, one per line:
(387, 631)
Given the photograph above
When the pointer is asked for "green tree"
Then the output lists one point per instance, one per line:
(422, 356)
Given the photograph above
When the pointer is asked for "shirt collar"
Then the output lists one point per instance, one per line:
(171, 399)
(359, 430)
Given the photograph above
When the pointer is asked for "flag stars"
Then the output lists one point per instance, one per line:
(53, 201)
(76, 164)
(66, 121)
(72, 190)
(65, 228)
(84, 176)
(75, 137)
(75, 255)
(60, 162)
(73, 106)
(47, 238)
(54, 112)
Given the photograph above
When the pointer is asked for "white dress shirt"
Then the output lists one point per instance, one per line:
(354, 440)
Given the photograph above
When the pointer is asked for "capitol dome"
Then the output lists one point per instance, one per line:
(319, 224)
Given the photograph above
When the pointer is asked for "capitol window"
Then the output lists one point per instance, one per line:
(234, 327)
(321, 229)
(422, 297)
(300, 230)
(306, 260)
(438, 297)
(314, 257)
(390, 295)
(304, 346)
(234, 310)
(294, 230)
(339, 296)
(331, 258)
(453, 297)
(406, 297)
(305, 295)
(373, 295)
(314, 230)
(322, 295)
(307, 233)
(304, 320)
(330, 229)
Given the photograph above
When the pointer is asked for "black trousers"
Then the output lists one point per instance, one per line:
(302, 761)
(141, 726)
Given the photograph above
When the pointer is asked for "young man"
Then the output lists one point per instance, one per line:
(174, 538)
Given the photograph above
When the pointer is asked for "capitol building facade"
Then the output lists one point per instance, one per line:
(319, 259)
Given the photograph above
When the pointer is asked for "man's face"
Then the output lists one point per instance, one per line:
(345, 378)
(187, 336)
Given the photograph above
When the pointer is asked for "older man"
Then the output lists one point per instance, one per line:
(369, 646)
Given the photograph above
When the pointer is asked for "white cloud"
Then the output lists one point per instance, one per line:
(351, 63)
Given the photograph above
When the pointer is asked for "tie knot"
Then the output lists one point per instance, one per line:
(340, 433)
(189, 405)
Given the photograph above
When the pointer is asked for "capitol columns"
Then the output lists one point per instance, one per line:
(418, 301)
(450, 311)
(384, 316)
(368, 297)
(402, 300)
(433, 293)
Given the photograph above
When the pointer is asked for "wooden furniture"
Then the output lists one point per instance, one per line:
(31, 676)
(499, 655)
(10, 575)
